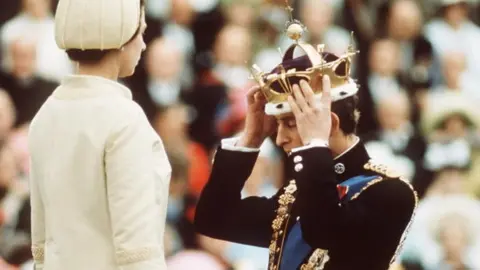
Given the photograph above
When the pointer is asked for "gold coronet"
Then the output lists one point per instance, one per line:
(338, 70)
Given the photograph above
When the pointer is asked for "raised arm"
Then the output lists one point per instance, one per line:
(383, 209)
(222, 213)
(131, 194)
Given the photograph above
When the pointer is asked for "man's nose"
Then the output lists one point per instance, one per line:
(281, 139)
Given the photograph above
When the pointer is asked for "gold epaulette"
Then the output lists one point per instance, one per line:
(382, 169)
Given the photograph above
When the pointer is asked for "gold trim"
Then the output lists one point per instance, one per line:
(137, 255)
(280, 224)
(317, 260)
(38, 253)
(409, 225)
(369, 184)
(389, 173)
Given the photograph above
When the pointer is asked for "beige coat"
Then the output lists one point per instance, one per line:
(99, 180)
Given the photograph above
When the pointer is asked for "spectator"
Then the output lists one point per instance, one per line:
(233, 51)
(12, 196)
(177, 30)
(191, 158)
(36, 22)
(317, 15)
(453, 31)
(397, 143)
(449, 124)
(207, 99)
(457, 78)
(241, 13)
(271, 25)
(382, 81)
(7, 115)
(28, 91)
(444, 234)
(163, 85)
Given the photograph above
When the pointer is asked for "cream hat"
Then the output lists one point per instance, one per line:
(440, 106)
(96, 24)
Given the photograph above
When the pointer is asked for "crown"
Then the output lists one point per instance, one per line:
(277, 85)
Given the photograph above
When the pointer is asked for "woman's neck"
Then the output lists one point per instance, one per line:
(101, 70)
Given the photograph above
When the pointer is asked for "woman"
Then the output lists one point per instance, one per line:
(99, 173)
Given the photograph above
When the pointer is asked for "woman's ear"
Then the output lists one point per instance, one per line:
(335, 124)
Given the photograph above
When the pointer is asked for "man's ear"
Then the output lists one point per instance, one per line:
(335, 124)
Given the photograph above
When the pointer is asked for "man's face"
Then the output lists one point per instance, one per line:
(164, 61)
(37, 8)
(456, 14)
(288, 136)
(287, 132)
(405, 21)
(23, 54)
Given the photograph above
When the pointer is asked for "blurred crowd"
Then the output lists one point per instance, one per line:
(417, 69)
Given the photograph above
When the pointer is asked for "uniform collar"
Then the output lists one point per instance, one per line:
(350, 163)
(84, 86)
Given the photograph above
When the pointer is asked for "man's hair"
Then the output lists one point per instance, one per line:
(348, 113)
(95, 55)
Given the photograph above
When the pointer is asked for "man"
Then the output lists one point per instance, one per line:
(340, 211)
(27, 90)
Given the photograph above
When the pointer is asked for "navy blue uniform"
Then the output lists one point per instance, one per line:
(335, 214)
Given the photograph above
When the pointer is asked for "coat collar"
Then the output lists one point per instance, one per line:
(84, 86)
(351, 162)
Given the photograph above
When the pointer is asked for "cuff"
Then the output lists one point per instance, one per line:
(38, 255)
(230, 144)
(313, 143)
(158, 263)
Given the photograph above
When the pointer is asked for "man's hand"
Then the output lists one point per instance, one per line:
(258, 125)
(313, 118)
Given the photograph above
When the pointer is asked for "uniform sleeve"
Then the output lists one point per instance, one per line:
(131, 195)
(38, 222)
(383, 209)
(222, 213)
(231, 145)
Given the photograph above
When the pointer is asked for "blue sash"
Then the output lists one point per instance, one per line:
(295, 249)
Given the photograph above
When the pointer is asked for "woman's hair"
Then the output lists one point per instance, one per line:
(95, 55)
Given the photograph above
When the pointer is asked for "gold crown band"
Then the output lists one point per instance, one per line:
(277, 86)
